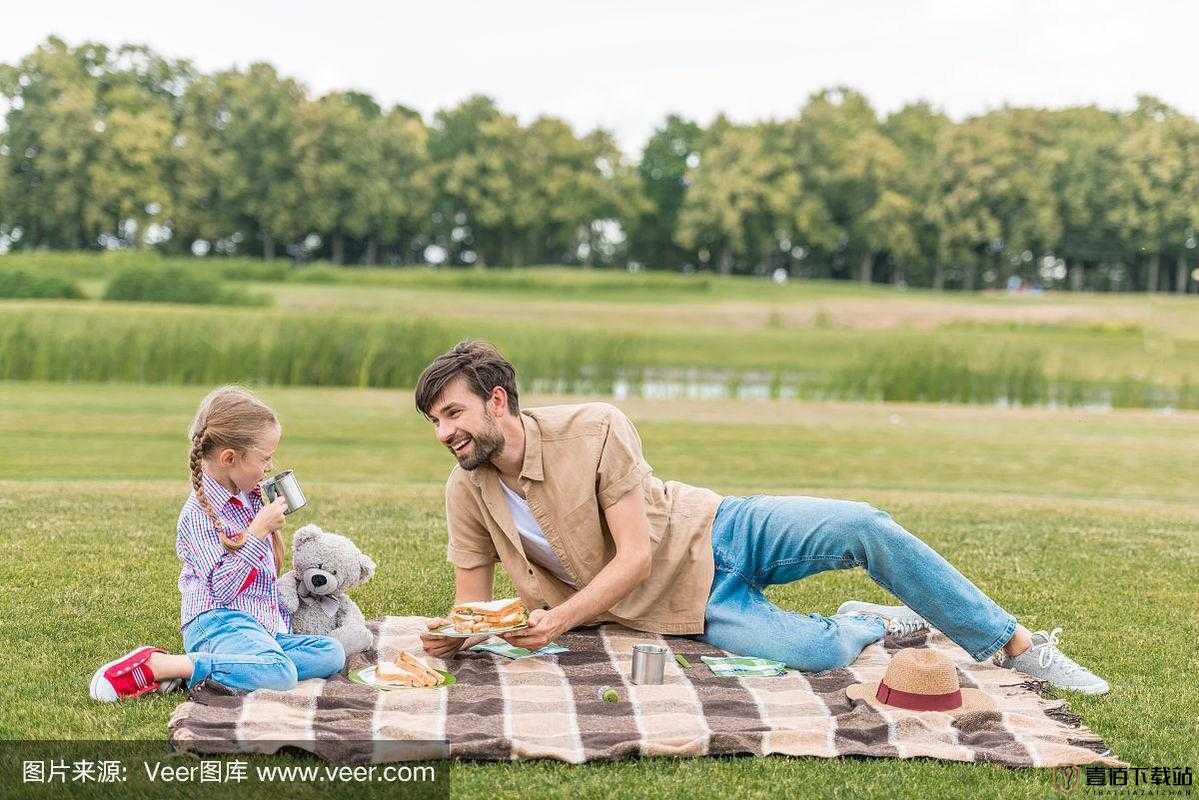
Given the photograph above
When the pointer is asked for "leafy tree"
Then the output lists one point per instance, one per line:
(996, 199)
(119, 146)
(1159, 180)
(747, 200)
(476, 154)
(52, 136)
(337, 165)
(238, 176)
(914, 129)
(397, 205)
(662, 173)
(130, 173)
(577, 185)
(856, 171)
(1087, 140)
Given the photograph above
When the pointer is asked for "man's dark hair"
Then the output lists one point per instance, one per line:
(480, 364)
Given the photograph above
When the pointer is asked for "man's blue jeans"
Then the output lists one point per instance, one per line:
(234, 650)
(763, 541)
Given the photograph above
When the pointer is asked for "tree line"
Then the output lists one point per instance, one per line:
(110, 147)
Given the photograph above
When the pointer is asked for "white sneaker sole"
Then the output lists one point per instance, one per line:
(862, 607)
(1094, 691)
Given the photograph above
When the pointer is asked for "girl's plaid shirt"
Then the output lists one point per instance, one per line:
(213, 577)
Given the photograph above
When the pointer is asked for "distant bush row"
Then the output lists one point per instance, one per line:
(170, 284)
(153, 278)
(23, 283)
(176, 285)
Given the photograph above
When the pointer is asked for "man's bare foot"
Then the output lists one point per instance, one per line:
(1021, 640)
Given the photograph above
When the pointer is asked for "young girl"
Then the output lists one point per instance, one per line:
(234, 632)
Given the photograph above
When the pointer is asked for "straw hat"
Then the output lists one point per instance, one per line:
(919, 679)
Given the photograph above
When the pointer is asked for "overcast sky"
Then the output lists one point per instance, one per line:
(625, 65)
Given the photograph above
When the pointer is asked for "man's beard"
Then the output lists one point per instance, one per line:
(485, 446)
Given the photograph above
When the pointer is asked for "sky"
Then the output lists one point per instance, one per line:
(625, 65)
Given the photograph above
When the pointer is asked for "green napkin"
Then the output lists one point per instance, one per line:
(744, 667)
(502, 648)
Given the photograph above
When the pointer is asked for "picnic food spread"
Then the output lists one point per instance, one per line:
(409, 670)
(494, 615)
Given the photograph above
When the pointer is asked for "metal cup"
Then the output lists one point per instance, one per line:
(649, 664)
(286, 486)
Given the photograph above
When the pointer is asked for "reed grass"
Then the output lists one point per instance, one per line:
(164, 344)
(167, 345)
(936, 372)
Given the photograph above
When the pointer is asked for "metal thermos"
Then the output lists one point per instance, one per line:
(649, 664)
(286, 486)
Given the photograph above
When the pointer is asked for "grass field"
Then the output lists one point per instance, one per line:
(1084, 519)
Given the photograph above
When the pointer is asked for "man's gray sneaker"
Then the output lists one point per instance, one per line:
(900, 620)
(1045, 661)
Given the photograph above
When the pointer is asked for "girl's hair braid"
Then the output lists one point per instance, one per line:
(229, 417)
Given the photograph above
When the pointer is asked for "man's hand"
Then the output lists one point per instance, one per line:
(437, 645)
(544, 627)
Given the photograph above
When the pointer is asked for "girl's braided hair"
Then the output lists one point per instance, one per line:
(229, 417)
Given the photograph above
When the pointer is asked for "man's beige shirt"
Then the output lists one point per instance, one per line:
(579, 460)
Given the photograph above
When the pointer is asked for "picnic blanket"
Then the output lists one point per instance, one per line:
(549, 707)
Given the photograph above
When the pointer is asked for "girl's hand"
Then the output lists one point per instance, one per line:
(269, 519)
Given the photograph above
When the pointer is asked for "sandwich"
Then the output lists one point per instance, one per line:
(490, 616)
(407, 670)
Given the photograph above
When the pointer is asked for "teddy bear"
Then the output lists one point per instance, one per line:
(324, 566)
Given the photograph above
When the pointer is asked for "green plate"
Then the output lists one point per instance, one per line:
(366, 677)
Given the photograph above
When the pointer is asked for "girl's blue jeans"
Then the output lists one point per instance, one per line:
(763, 541)
(233, 649)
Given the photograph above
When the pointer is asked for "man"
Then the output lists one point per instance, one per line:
(563, 498)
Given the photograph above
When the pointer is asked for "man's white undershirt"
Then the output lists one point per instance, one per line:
(537, 547)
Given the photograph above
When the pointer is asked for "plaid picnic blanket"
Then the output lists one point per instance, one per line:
(549, 707)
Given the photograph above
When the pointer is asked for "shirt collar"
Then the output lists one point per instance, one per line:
(217, 494)
(531, 468)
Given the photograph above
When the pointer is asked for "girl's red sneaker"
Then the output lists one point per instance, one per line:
(127, 677)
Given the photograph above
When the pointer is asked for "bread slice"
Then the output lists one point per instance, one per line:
(421, 667)
(391, 672)
(490, 610)
(509, 621)
(409, 670)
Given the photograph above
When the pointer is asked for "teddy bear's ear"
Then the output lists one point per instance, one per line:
(305, 535)
(367, 565)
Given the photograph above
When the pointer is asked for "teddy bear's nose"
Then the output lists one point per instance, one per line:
(319, 580)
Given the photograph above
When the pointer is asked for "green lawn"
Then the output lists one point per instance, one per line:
(1081, 519)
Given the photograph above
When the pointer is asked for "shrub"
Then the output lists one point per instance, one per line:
(27, 283)
(176, 285)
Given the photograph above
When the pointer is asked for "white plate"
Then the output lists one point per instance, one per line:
(451, 631)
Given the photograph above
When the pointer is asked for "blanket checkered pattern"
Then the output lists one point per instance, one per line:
(549, 707)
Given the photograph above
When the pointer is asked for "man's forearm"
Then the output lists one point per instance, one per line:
(613, 582)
